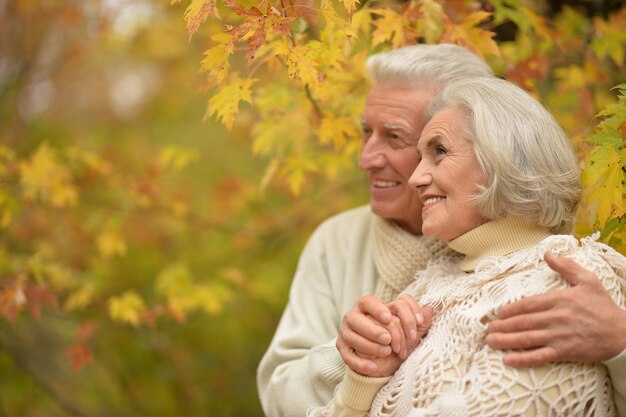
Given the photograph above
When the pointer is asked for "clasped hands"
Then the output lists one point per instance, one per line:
(375, 338)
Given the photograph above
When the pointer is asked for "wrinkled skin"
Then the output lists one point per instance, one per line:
(577, 324)
(398, 327)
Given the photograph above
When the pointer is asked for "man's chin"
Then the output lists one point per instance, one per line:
(385, 211)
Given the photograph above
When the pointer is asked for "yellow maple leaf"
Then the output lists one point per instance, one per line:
(350, 6)
(80, 299)
(110, 244)
(45, 178)
(8, 207)
(300, 63)
(362, 21)
(538, 23)
(571, 78)
(337, 130)
(333, 20)
(225, 103)
(127, 308)
(270, 172)
(197, 13)
(611, 37)
(602, 179)
(207, 298)
(177, 158)
(296, 169)
(389, 28)
(430, 25)
(216, 58)
(468, 34)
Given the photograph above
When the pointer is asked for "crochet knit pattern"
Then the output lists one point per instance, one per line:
(453, 373)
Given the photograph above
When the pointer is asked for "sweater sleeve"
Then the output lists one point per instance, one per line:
(353, 397)
(302, 366)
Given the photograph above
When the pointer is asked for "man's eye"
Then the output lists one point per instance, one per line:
(397, 141)
(440, 150)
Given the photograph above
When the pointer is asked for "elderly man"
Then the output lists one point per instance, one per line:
(377, 249)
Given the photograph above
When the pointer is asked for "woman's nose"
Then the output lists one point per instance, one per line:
(420, 176)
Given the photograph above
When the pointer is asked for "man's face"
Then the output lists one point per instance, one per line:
(392, 123)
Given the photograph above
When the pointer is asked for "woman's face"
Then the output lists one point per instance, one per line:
(447, 176)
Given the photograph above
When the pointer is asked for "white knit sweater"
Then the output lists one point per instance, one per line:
(340, 263)
(453, 372)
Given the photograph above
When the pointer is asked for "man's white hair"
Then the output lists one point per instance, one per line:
(433, 65)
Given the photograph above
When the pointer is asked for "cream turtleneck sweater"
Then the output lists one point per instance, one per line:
(452, 372)
(497, 238)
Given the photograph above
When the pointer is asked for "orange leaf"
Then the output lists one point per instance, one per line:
(197, 13)
(38, 296)
(86, 331)
(256, 24)
(79, 354)
(475, 38)
(525, 73)
(12, 300)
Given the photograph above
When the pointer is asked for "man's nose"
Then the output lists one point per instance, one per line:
(372, 154)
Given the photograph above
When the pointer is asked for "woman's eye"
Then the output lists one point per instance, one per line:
(440, 150)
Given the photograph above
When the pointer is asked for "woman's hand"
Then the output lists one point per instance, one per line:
(375, 338)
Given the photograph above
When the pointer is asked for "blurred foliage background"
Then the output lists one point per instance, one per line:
(146, 256)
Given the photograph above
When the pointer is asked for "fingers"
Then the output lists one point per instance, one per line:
(521, 340)
(570, 270)
(408, 311)
(527, 305)
(534, 357)
(371, 305)
(519, 323)
(360, 365)
(365, 335)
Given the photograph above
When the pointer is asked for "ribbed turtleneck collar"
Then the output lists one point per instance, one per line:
(497, 238)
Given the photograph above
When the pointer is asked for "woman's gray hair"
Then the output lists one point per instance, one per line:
(435, 65)
(530, 164)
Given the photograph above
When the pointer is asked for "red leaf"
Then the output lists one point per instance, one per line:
(79, 354)
(242, 11)
(86, 331)
(11, 303)
(38, 296)
(256, 22)
(534, 68)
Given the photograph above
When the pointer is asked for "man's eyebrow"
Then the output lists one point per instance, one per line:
(392, 126)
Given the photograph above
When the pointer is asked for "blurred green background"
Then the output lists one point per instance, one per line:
(101, 103)
(145, 252)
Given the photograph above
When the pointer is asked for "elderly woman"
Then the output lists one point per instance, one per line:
(499, 182)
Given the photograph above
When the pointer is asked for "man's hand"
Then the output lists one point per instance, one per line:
(372, 330)
(577, 324)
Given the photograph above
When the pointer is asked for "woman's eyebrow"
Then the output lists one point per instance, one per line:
(430, 142)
